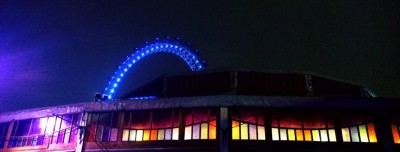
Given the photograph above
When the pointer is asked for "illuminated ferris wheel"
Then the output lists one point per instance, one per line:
(168, 45)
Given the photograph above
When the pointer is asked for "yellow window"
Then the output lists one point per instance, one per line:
(204, 131)
(291, 135)
(212, 130)
(160, 134)
(307, 135)
(125, 135)
(299, 135)
(235, 130)
(146, 135)
(332, 135)
(244, 131)
(371, 133)
(346, 135)
(315, 135)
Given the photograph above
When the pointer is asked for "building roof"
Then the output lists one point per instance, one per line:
(207, 101)
(248, 82)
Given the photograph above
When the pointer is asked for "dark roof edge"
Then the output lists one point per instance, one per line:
(205, 101)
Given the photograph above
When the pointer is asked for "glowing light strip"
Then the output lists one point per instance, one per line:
(183, 52)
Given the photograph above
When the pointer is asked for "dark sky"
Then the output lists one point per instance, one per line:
(62, 52)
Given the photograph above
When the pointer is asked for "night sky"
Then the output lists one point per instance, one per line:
(62, 52)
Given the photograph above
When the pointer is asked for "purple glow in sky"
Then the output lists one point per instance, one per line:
(21, 77)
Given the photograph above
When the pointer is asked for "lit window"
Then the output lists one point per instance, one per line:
(395, 133)
(359, 133)
(302, 130)
(151, 125)
(33, 132)
(248, 124)
(103, 127)
(200, 124)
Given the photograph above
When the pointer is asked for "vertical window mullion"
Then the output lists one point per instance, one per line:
(151, 125)
(240, 128)
(191, 123)
(45, 128)
(172, 124)
(398, 129)
(351, 138)
(302, 129)
(320, 135)
(97, 125)
(129, 127)
(29, 132)
(279, 128)
(110, 127)
(208, 124)
(256, 127)
(358, 133)
(327, 130)
(366, 129)
(59, 127)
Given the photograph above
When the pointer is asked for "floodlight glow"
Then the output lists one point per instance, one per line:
(182, 51)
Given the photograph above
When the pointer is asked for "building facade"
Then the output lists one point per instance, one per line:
(227, 110)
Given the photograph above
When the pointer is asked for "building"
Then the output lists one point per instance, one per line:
(221, 110)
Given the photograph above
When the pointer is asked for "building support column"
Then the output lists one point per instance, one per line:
(10, 127)
(383, 131)
(120, 126)
(181, 124)
(81, 141)
(224, 130)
